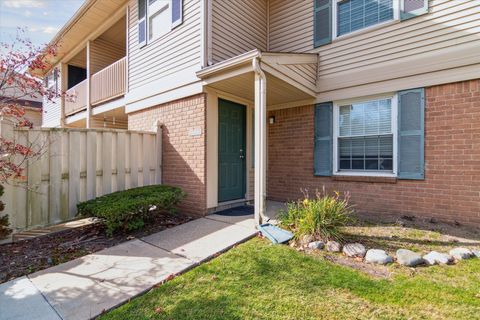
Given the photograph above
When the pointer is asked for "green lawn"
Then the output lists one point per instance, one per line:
(257, 280)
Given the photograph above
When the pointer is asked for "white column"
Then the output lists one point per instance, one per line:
(63, 89)
(260, 141)
(89, 105)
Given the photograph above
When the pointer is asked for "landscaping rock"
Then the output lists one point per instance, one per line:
(435, 257)
(378, 256)
(334, 246)
(306, 239)
(476, 253)
(409, 258)
(316, 245)
(461, 253)
(354, 250)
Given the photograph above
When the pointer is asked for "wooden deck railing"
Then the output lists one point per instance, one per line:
(109, 82)
(76, 99)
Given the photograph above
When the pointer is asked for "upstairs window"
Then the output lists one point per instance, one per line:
(337, 18)
(353, 15)
(157, 18)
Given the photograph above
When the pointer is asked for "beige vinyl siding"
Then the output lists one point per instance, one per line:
(51, 109)
(104, 53)
(178, 50)
(237, 27)
(446, 38)
(291, 26)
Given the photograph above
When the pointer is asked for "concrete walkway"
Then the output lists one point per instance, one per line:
(84, 288)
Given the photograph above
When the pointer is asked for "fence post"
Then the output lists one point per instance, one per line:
(158, 153)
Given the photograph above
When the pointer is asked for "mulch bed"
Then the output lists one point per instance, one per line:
(28, 256)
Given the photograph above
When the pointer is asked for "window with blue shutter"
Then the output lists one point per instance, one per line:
(142, 22)
(353, 15)
(177, 12)
(413, 8)
(411, 114)
(322, 21)
(323, 151)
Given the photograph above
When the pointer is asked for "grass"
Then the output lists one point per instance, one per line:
(257, 280)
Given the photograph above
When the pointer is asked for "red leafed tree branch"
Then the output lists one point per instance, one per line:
(19, 84)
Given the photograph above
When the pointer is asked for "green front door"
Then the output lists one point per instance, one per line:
(231, 151)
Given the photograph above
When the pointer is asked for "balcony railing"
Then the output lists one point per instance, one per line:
(109, 82)
(76, 99)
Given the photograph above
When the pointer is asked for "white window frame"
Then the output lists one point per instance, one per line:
(153, 9)
(396, 18)
(336, 108)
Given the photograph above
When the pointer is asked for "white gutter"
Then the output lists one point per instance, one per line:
(260, 139)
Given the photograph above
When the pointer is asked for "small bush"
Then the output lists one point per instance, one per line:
(127, 210)
(5, 231)
(320, 217)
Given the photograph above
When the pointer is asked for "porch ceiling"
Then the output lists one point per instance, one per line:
(93, 18)
(290, 77)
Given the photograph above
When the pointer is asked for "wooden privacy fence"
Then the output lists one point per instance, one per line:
(77, 165)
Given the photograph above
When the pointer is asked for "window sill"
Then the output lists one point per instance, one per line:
(369, 179)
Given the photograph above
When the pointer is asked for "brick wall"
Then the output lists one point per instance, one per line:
(451, 189)
(183, 153)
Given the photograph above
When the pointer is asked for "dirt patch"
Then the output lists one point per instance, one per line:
(373, 270)
(28, 256)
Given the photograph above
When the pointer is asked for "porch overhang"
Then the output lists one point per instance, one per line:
(269, 79)
(290, 76)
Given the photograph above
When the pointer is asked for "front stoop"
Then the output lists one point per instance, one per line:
(85, 287)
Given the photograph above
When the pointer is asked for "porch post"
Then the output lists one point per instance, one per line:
(260, 140)
(89, 70)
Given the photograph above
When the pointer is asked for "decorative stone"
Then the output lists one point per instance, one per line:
(316, 245)
(476, 253)
(378, 257)
(435, 257)
(306, 239)
(334, 246)
(461, 253)
(354, 250)
(409, 258)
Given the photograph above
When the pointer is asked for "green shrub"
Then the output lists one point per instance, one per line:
(4, 224)
(320, 217)
(127, 210)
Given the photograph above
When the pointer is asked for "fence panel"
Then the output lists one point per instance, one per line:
(75, 165)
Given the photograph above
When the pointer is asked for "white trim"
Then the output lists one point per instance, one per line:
(396, 18)
(394, 104)
(108, 106)
(76, 117)
(164, 84)
(164, 97)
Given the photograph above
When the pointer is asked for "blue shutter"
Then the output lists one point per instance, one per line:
(322, 22)
(323, 151)
(177, 12)
(142, 22)
(413, 8)
(411, 118)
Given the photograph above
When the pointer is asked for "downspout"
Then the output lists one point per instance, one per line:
(260, 140)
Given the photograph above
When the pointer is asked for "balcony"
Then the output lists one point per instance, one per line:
(76, 99)
(109, 83)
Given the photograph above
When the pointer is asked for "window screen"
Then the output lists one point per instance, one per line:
(354, 15)
(365, 139)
